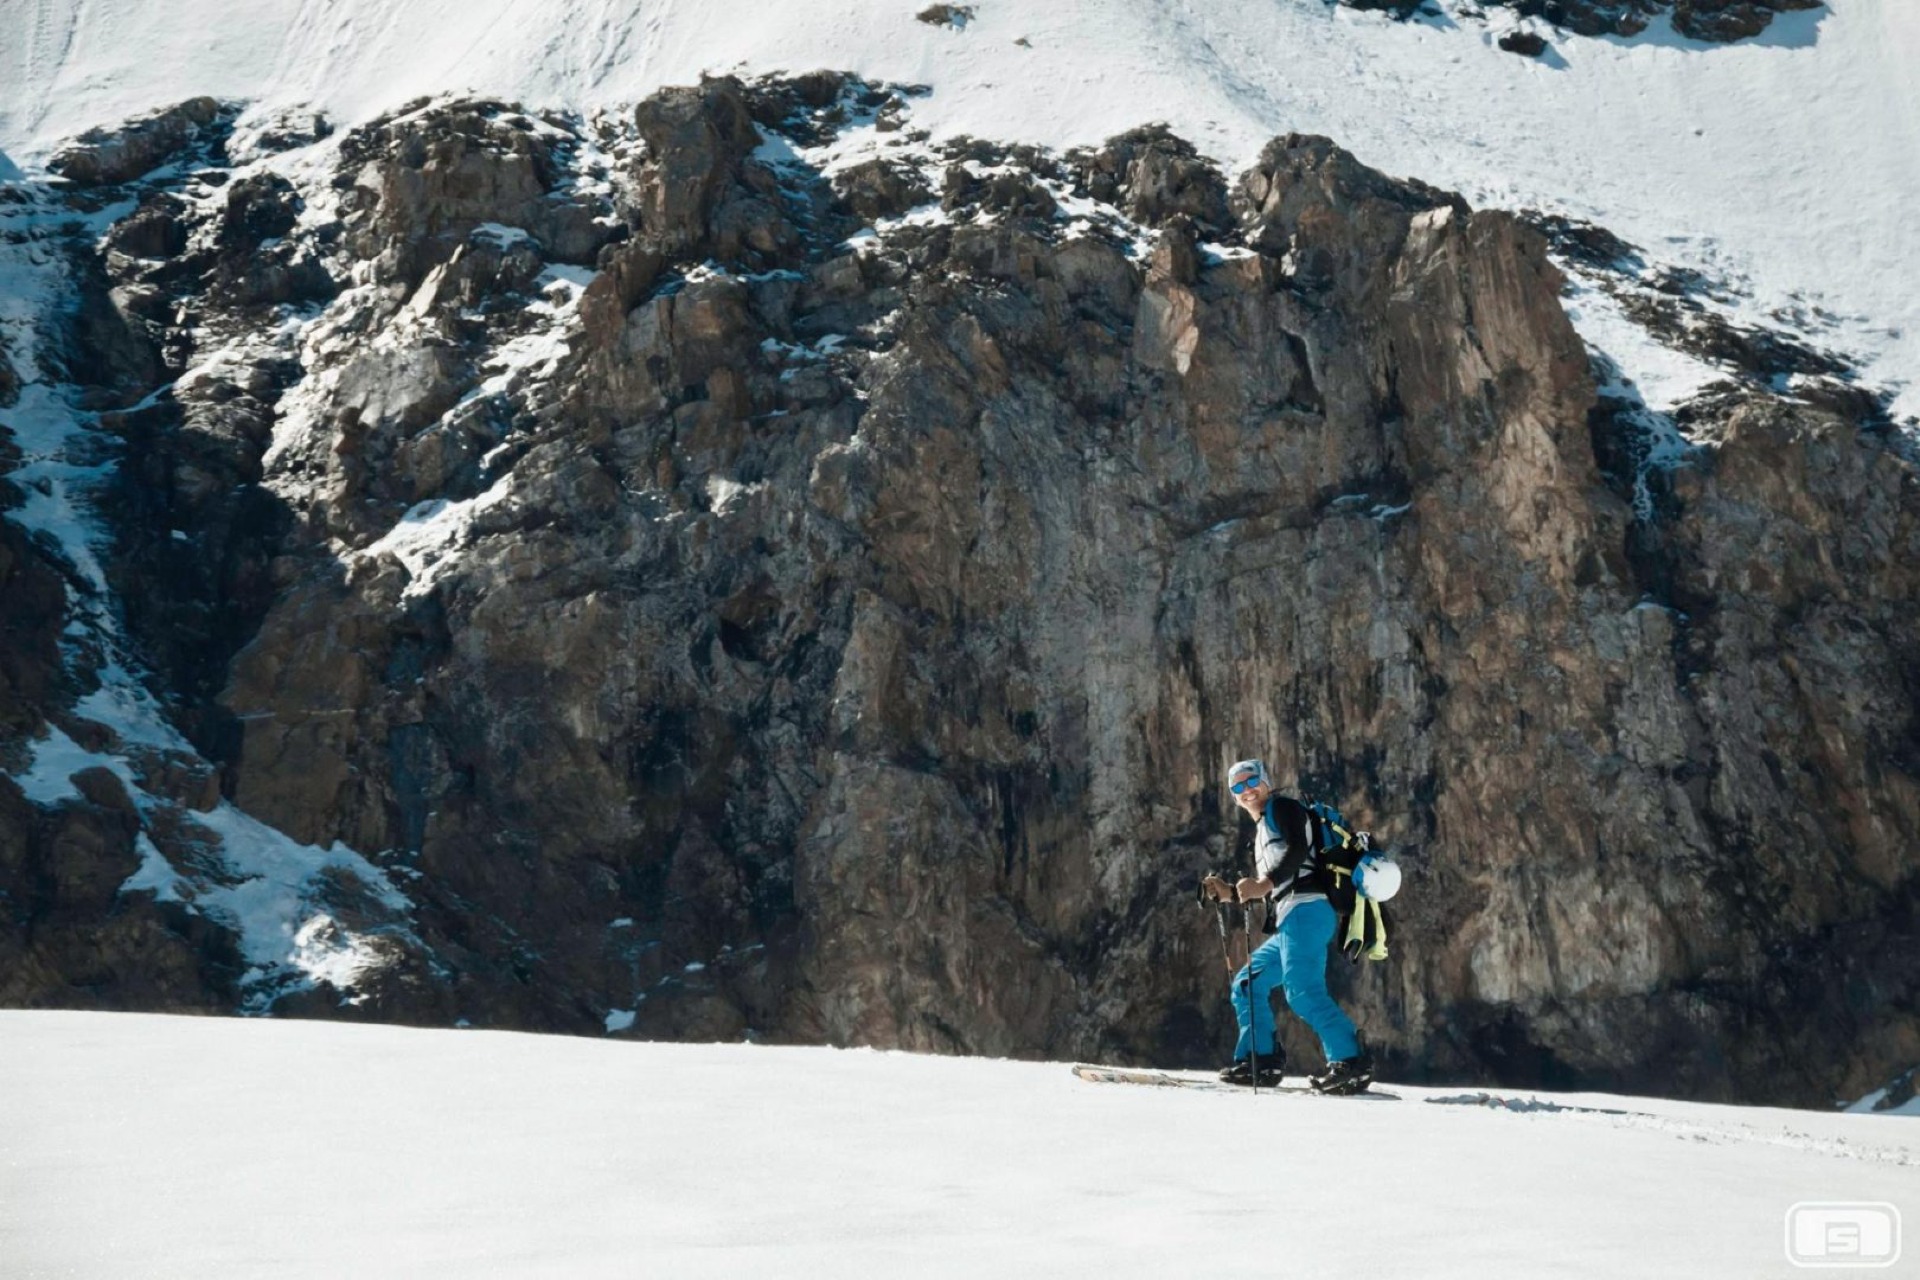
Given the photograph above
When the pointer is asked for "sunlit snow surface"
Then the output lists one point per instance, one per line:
(1786, 167)
(232, 1150)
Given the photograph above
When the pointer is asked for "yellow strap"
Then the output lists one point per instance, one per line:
(1363, 909)
(1378, 951)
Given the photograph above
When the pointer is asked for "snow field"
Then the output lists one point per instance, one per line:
(151, 1146)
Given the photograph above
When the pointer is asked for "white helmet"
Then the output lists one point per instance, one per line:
(1377, 876)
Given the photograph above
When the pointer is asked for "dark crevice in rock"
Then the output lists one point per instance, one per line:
(9, 380)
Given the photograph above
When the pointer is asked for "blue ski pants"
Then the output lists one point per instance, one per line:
(1295, 958)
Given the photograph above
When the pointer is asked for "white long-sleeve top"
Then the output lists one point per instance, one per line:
(1270, 843)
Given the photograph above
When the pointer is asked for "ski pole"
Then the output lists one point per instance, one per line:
(1220, 920)
(1253, 1012)
(1226, 952)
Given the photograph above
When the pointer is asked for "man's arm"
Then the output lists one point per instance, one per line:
(1244, 889)
(1251, 890)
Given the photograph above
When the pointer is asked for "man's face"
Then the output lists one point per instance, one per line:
(1254, 798)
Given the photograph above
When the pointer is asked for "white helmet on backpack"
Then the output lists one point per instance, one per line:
(1377, 876)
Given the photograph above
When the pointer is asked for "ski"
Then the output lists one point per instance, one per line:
(1169, 1080)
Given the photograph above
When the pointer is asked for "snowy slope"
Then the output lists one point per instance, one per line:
(1781, 167)
(161, 1147)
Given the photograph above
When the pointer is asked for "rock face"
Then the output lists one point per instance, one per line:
(1714, 21)
(1727, 20)
(821, 608)
(68, 938)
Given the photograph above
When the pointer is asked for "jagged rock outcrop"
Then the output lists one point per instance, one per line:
(107, 157)
(748, 601)
(1727, 20)
(1154, 176)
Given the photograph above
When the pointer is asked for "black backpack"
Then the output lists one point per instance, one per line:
(1363, 922)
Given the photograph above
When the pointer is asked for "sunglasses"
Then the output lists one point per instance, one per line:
(1245, 784)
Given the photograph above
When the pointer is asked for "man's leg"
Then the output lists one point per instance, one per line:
(1255, 1011)
(1304, 937)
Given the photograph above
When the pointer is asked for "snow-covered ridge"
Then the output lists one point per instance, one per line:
(1788, 162)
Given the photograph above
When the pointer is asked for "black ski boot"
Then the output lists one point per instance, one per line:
(1348, 1075)
(1241, 1072)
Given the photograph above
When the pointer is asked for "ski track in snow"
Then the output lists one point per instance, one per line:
(1689, 1122)
(1624, 1115)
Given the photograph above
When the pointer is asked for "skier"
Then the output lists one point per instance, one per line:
(1289, 877)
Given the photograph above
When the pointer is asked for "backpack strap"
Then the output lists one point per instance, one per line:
(1334, 832)
(1292, 822)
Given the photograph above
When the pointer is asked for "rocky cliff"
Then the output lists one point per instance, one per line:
(735, 568)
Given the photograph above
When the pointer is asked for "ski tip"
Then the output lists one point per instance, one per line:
(1122, 1075)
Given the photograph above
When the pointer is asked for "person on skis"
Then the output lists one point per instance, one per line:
(1289, 878)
